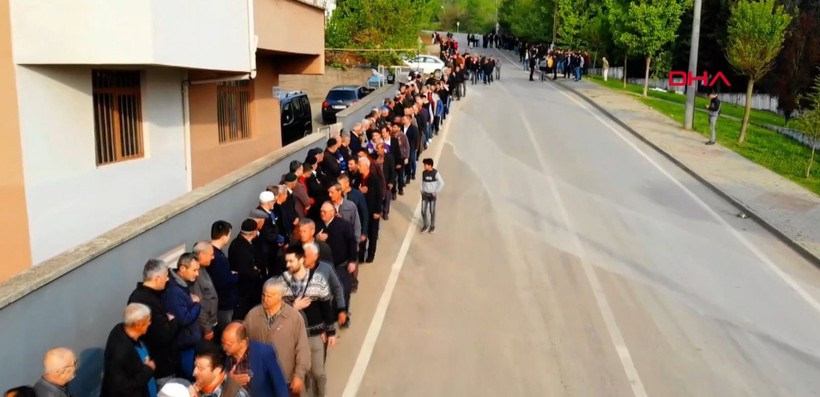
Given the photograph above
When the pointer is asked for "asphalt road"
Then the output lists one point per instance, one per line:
(571, 260)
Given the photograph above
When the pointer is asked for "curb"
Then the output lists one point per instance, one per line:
(805, 253)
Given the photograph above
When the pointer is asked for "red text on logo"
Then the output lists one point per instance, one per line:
(678, 78)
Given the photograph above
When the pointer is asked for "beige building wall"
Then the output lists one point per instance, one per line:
(13, 214)
(210, 159)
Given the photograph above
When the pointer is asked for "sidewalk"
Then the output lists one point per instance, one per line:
(785, 208)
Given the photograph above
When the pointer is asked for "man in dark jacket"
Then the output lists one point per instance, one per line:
(161, 335)
(243, 261)
(185, 307)
(128, 370)
(330, 164)
(269, 239)
(373, 190)
(338, 233)
(412, 133)
(225, 281)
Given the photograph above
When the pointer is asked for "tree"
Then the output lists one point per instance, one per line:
(755, 35)
(795, 66)
(573, 16)
(809, 121)
(527, 19)
(649, 26)
(618, 16)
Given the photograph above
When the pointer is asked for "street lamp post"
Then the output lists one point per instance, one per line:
(689, 112)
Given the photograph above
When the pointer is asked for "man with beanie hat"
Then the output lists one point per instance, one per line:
(242, 258)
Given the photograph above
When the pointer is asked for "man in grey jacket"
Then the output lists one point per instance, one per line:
(346, 209)
(204, 288)
(431, 184)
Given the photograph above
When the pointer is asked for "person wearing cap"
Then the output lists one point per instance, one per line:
(301, 200)
(316, 191)
(242, 258)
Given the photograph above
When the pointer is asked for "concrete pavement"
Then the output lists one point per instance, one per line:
(783, 206)
(573, 260)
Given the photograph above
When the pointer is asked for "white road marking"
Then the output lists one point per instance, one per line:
(605, 309)
(788, 280)
(372, 336)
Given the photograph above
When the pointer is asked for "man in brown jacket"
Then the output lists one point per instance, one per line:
(283, 327)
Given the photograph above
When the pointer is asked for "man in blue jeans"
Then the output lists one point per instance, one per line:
(431, 184)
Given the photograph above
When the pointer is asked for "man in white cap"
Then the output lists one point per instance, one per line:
(269, 240)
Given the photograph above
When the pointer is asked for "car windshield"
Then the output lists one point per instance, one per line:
(341, 95)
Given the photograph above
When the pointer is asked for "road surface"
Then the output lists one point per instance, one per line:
(571, 260)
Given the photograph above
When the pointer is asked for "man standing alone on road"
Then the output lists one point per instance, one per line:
(431, 184)
(714, 112)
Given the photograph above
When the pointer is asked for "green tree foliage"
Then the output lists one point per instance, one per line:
(797, 64)
(755, 35)
(575, 19)
(378, 24)
(617, 12)
(529, 20)
(644, 27)
(475, 16)
(809, 120)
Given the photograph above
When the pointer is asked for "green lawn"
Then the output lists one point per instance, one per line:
(757, 116)
(774, 151)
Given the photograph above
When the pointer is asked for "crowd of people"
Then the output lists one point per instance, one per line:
(539, 58)
(255, 311)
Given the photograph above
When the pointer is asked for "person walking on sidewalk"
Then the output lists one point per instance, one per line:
(606, 68)
(431, 185)
(714, 112)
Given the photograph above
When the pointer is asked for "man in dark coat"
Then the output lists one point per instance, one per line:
(128, 370)
(243, 261)
(373, 189)
(161, 335)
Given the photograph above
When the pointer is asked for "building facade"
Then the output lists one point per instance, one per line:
(114, 107)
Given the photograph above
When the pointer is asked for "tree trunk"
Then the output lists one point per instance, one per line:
(625, 59)
(811, 159)
(594, 59)
(747, 112)
(646, 76)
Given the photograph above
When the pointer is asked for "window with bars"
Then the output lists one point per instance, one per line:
(117, 115)
(233, 110)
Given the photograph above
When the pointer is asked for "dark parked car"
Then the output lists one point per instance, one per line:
(297, 119)
(340, 98)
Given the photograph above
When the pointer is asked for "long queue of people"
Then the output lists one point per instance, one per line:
(254, 312)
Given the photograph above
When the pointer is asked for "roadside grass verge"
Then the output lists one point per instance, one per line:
(756, 116)
(774, 151)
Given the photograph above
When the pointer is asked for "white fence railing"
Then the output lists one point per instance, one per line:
(759, 101)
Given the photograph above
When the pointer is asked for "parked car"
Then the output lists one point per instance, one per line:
(377, 79)
(340, 98)
(425, 63)
(296, 116)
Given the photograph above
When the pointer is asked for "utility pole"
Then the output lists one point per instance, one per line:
(689, 113)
